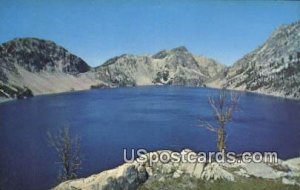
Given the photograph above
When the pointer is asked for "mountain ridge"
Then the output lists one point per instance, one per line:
(273, 68)
(175, 66)
(32, 66)
(36, 66)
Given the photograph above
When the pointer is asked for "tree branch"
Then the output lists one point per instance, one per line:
(207, 125)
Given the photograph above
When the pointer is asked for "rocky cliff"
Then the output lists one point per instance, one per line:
(176, 66)
(33, 66)
(273, 68)
(199, 175)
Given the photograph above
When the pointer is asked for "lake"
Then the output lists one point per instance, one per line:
(108, 120)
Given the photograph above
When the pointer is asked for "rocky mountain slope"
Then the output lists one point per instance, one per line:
(198, 175)
(30, 66)
(33, 66)
(176, 66)
(273, 68)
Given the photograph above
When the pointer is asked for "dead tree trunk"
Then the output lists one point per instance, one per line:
(223, 107)
(221, 140)
(68, 150)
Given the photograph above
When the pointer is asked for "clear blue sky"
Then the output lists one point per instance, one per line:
(98, 30)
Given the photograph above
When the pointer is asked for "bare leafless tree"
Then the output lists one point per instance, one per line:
(223, 106)
(68, 150)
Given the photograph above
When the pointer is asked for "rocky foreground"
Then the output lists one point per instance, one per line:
(143, 176)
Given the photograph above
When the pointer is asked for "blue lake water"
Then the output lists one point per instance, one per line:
(153, 118)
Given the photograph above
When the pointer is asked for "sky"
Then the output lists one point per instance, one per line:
(97, 30)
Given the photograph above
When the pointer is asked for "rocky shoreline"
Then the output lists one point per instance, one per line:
(183, 175)
(105, 86)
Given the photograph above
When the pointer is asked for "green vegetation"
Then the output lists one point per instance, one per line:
(193, 184)
(100, 85)
(6, 90)
(15, 91)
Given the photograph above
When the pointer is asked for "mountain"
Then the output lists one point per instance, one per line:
(33, 66)
(30, 66)
(273, 68)
(176, 66)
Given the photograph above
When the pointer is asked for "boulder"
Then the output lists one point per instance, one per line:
(128, 176)
(213, 171)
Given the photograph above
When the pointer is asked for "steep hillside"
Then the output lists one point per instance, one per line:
(273, 68)
(176, 66)
(33, 66)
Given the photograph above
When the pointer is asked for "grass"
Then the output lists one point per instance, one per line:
(194, 184)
